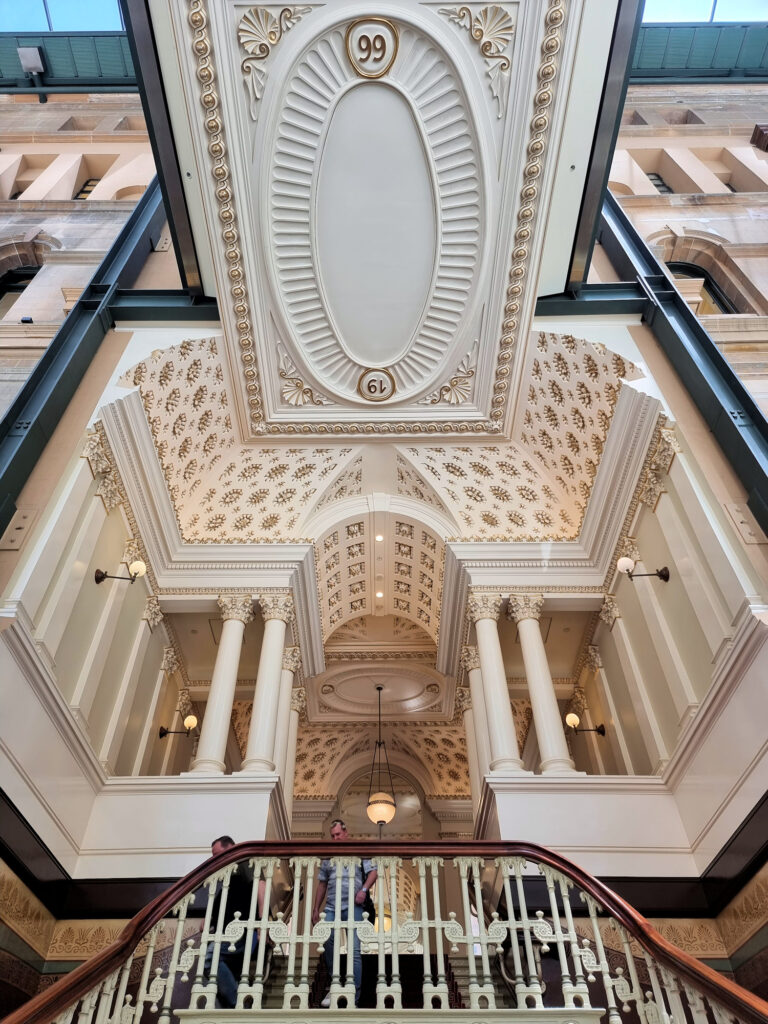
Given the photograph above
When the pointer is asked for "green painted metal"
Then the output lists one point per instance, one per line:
(701, 52)
(89, 60)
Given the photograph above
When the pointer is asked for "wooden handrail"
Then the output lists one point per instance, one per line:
(43, 1008)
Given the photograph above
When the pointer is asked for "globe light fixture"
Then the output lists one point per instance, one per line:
(381, 804)
(136, 569)
(626, 566)
(573, 721)
(190, 723)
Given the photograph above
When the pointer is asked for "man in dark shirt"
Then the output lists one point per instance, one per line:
(238, 899)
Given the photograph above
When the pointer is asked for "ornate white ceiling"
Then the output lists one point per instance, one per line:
(370, 184)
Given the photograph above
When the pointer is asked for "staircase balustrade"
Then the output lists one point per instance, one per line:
(505, 929)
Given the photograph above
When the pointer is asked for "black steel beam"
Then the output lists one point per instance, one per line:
(731, 413)
(29, 423)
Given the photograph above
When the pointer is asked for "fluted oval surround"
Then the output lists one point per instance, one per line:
(375, 213)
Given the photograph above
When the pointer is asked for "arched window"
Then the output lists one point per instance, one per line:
(713, 298)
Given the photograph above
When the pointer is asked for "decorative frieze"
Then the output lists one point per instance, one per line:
(236, 606)
(525, 606)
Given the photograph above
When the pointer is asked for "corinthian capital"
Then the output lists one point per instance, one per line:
(470, 659)
(152, 611)
(483, 606)
(610, 610)
(291, 659)
(170, 660)
(462, 701)
(299, 700)
(593, 659)
(277, 606)
(236, 606)
(525, 606)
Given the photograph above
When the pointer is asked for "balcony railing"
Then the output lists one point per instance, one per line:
(497, 928)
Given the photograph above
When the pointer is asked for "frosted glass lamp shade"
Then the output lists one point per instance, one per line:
(625, 565)
(190, 722)
(137, 569)
(572, 720)
(381, 808)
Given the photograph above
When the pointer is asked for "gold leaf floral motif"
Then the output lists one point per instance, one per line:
(258, 32)
(459, 388)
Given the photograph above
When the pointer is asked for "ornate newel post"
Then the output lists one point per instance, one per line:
(525, 609)
(291, 664)
(236, 611)
(297, 709)
(470, 661)
(277, 610)
(483, 610)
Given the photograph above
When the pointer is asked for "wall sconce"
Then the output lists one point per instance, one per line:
(626, 565)
(190, 723)
(572, 720)
(135, 570)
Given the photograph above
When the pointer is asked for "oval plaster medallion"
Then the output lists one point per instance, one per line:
(376, 214)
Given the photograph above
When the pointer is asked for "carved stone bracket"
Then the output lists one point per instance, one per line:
(483, 606)
(299, 702)
(593, 660)
(277, 606)
(131, 551)
(578, 701)
(629, 549)
(525, 606)
(236, 606)
(185, 703)
(110, 491)
(98, 459)
(463, 700)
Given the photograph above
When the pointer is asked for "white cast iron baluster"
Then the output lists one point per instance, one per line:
(696, 1003)
(105, 999)
(673, 993)
(555, 930)
(346, 991)
(395, 986)
(440, 989)
(534, 981)
(65, 1017)
(580, 989)
(636, 992)
(204, 991)
(256, 991)
(487, 983)
(435, 995)
(480, 994)
(614, 1017)
(120, 1001)
(662, 1017)
(85, 1016)
(528, 995)
(381, 953)
(143, 993)
(180, 910)
(296, 997)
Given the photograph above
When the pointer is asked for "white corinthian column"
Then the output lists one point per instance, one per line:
(525, 609)
(291, 664)
(236, 611)
(277, 610)
(483, 610)
(470, 661)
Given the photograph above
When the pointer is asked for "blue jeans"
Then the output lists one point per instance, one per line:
(357, 960)
(228, 972)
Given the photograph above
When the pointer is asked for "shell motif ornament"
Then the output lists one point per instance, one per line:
(258, 32)
(492, 28)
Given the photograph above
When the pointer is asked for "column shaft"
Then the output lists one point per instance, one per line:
(260, 752)
(290, 665)
(218, 712)
(298, 704)
(555, 758)
(505, 756)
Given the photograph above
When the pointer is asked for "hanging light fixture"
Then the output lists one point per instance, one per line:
(381, 804)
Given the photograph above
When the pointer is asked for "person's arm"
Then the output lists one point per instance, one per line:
(368, 882)
(319, 900)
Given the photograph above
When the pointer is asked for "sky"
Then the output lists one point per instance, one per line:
(104, 15)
